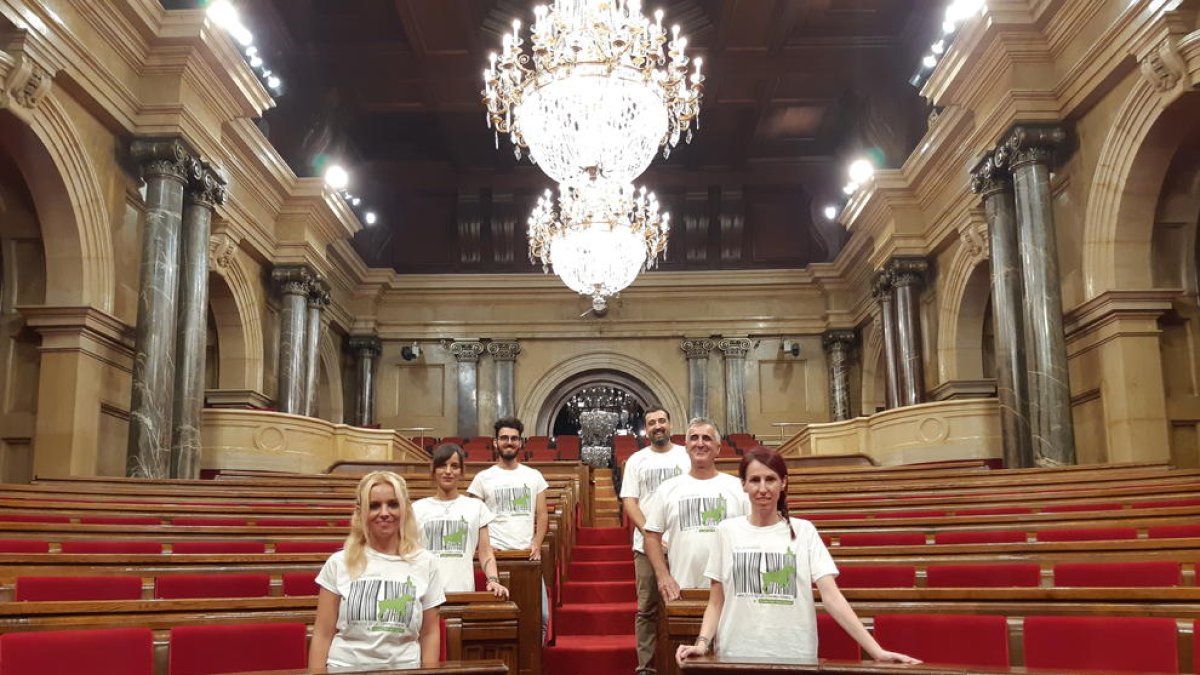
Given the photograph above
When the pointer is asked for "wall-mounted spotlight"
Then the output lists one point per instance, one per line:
(789, 347)
(410, 352)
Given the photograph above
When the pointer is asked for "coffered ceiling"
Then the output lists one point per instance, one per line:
(796, 88)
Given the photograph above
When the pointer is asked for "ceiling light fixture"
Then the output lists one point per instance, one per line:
(598, 92)
(336, 177)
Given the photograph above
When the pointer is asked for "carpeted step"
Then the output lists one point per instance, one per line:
(601, 553)
(575, 592)
(601, 571)
(597, 618)
(596, 536)
(591, 654)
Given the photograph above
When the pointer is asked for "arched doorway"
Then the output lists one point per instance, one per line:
(559, 414)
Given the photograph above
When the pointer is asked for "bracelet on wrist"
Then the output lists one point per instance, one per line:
(707, 642)
(494, 579)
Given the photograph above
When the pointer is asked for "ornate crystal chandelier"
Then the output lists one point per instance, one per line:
(596, 95)
(598, 92)
(599, 238)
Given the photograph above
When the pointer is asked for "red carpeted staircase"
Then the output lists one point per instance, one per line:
(594, 625)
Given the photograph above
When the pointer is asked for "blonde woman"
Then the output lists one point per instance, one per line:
(380, 593)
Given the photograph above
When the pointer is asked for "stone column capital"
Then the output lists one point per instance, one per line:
(735, 348)
(206, 184)
(1031, 144)
(881, 286)
(504, 351)
(318, 293)
(163, 158)
(697, 348)
(907, 271)
(991, 175)
(365, 345)
(293, 279)
(466, 352)
(839, 338)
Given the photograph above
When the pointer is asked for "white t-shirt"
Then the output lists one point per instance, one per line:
(380, 613)
(645, 470)
(450, 531)
(511, 494)
(687, 511)
(767, 579)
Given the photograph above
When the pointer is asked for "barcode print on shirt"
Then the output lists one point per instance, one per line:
(514, 500)
(446, 536)
(762, 574)
(698, 512)
(382, 601)
(652, 478)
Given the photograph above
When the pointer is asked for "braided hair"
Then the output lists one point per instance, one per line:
(773, 461)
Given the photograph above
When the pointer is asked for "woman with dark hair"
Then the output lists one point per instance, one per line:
(455, 527)
(762, 568)
(378, 604)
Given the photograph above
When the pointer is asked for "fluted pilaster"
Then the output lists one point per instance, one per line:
(735, 350)
(467, 354)
(293, 283)
(696, 351)
(318, 300)
(882, 292)
(505, 356)
(366, 348)
(838, 344)
(907, 275)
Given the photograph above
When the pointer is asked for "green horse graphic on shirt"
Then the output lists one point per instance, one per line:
(455, 539)
(398, 605)
(520, 502)
(781, 577)
(713, 516)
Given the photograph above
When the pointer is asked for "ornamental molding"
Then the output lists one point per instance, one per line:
(504, 351)
(907, 271)
(164, 158)
(206, 184)
(221, 248)
(1031, 144)
(365, 345)
(25, 79)
(991, 175)
(466, 352)
(293, 279)
(735, 348)
(697, 348)
(1160, 60)
(839, 339)
(974, 237)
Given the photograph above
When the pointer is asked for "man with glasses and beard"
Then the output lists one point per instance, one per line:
(517, 495)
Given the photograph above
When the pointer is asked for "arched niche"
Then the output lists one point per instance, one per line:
(874, 374)
(563, 378)
(238, 315)
(608, 378)
(330, 400)
(963, 339)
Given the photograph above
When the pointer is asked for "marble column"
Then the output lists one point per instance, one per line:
(366, 349)
(907, 275)
(467, 354)
(1030, 149)
(992, 181)
(838, 344)
(205, 190)
(696, 351)
(505, 356)
(318, 299)
(882, 290)
(735, 350)
(293, 282)
(166, 166)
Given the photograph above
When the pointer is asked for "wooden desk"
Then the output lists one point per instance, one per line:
(712, 665)
(465, 667)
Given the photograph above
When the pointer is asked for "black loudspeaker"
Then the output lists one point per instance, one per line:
(410, 352)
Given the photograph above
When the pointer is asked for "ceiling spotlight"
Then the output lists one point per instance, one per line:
(861, 170)
(948, 27)
(251, 51)
(336, 177)
(222, 13)
(370, 217)
(830, 212)
(255, 62)
(273, 82)
(938, 47)
(243, 35)
(849, 188)
(929, 61)
(356, 201)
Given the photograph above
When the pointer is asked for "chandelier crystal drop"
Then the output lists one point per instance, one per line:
(600, 89)
(598, 238)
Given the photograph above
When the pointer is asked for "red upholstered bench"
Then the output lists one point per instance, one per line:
(119, 520)
(999, 575)
(308, 546)
(112, 546)
(205, 650)
(290, 522)
(980, 537)
(883, 539)
(910, 514)
(835, 643)
(119, 651)
(1072, 508)
(1088, 534)
(995, 511)
(1119, 575)
(50, 589)
(1103, 643)
(208, 522)
(300, 583)
(24, 546)
(946, 639)
(218, 547)
(877, 576)
(1166, 503)
(1174, 531)
(176, 586)
(23, 518)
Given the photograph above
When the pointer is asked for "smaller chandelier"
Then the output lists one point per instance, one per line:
(600, 90)
(599, 238)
